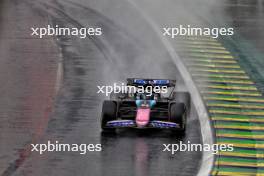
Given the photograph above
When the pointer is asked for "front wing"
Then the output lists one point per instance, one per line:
(132, 124)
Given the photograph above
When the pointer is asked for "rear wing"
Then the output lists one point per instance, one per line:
(150, 82)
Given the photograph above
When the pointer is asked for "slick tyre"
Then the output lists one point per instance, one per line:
(109, 112)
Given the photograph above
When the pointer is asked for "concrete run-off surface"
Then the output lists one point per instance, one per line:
(28, 69)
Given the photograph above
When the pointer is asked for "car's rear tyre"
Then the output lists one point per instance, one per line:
(178, 114)
(183, 97)
(117, 96)
(109, 112)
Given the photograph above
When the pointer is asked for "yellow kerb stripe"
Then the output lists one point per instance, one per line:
(245, 164)
(245, 145)
(256, 113)
(241, 136)
(224, 173)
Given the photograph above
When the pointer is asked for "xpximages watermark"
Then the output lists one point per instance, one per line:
(123, 88)
(189, 147)
(60, 147)
(64, 31)
(197, 31)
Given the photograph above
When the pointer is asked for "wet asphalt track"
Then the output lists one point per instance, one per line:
(116, 55)
(127, 49)
(113, 57)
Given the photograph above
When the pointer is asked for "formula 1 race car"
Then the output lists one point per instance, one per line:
(148, 108)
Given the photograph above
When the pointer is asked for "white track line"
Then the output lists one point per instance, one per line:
(206, 130)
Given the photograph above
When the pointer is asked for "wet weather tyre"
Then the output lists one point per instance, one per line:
(183, 97)
(178, 115)
(109, 112)
(117, 96)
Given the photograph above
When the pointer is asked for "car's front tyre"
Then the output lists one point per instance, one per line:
(109, 113)
(178, 114)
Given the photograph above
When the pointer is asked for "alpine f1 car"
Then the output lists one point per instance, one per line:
(147, 109)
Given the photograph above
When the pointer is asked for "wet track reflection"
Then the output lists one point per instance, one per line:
(90, 62)
(113, 57)
(128, 48)
(137, 152)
